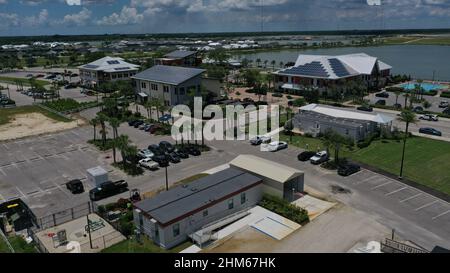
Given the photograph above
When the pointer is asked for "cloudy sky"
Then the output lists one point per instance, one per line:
(36, 17)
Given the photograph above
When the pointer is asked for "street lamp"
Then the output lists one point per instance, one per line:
(167, 181)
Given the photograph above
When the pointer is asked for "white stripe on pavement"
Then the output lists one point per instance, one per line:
(412, 197)
(404, 188)
(442, 214)
(427, 205)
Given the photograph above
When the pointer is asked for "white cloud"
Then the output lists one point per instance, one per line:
(81, 18)
(127, 16)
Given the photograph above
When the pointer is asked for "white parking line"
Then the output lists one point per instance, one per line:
(442, 214)
(427, 205)
(403, 188)
(412, 197)
(3, 172)
(366, 180)
(2, 198)
(379, 186)
(21, 193)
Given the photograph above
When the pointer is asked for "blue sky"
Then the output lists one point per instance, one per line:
(48, 17)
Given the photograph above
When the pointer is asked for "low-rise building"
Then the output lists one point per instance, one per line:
(278, 180)
(172, 216)
(316, 119)
(326, 72)
(180, 58)
(107, 69)
(170, 84)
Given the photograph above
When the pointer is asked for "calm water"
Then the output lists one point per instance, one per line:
(415, 60)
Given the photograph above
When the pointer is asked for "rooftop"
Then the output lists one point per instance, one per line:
(183, 201)
(179, 54)
(335, 67)
(173, 75)
(346, 113)
(110, 64)
(265, 168)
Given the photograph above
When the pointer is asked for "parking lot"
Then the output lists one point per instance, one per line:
(36, 169)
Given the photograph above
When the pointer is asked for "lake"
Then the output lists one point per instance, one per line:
(419, 61)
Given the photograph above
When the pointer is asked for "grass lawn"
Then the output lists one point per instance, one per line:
(7, 114)
(427, 161)
(26, 82)
(131, 246)
(4, 247)
(19, 245)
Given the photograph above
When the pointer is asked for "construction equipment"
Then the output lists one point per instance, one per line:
(135, 195)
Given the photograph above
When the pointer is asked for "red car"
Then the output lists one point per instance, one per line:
(154, 129)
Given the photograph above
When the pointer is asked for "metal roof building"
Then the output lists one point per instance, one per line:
(110, 64)
(179, 54)
(172, 75)
(183, 201)
(279, 180)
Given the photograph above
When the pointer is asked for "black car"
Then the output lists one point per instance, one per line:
(138, 123)
(166, 146)
(174, 158)
(108, 189)
(365, 108)
(132, 122)
(306, 156)
(430, 131)
(397, 106)
(380, 102)
(446, 111)
(418, 109)
(182, 153)
(75, 186)
(382, 95)
(156, 149)
(192, 150)
(162, 160)
(348, 169)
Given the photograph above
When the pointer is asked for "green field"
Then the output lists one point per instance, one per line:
(19, 245)
(427, 161)
(26, 82)
(439, 40)
(131, 246)
(7, 114)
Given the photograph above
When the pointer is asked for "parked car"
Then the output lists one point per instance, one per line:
(155, 149)
(429, 117)
(138, 123)
(182, 153)
(320, 157)
(258, 140)
(444, 104)
(146, 153)
(148, 163)
(380, 102)
(132, 122)
(382, 95)
(75, 186)
(108, 189)
(397, 106)
(148, 127)
(166, 146)
(365, 108)
(430, 131)
(173, 158)
(348, 169)
(276, 146)
(305, 156)
(142, 126)
(154, 129)
(192, 150)
(162, 160)
(418, 109)
(446, 111)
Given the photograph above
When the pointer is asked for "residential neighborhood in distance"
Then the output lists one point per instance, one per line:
(122, 132)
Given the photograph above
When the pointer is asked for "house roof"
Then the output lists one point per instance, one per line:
(180, 202)
(173, 75)
(347, 113)
(110, 64)
(334, 67)
(265, 168)
(179, 54)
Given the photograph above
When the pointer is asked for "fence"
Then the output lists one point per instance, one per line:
(51, 110)
(65, 216)
(103, 242)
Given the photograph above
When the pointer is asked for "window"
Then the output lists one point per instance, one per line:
(119, 76)
(176, 91)
(182, 91)
(346, 131)
(125, 75)
(230, 204)
(144, 85)
(167, 103)
(243, 198)
(166, 89)
(205, 213)
(114, 76)
(154, 87)
(176, 230)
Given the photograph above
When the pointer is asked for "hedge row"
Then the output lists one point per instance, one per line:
(285, 209)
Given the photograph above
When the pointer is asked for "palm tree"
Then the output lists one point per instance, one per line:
(102, 120)
(397, 94)
(148, 106)
(281, 64)
(408, 117)
(94, 123)
(258, 62)
(406, 95)
(123, 143)
(114, 123)
(265, 63)
(334, 139)
(273, 63)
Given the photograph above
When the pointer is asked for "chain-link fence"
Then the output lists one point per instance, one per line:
(65, 216)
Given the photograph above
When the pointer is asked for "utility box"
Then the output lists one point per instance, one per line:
(97, 176)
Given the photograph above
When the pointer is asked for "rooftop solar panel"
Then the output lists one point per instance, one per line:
(314, 69)
(338, 68)
(122, 68)
(91, 66)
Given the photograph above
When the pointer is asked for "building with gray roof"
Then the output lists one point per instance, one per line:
(171, 84)
(171, 217)
(180, 58)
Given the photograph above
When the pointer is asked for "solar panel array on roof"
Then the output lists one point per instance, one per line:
(121, 68)
(314, 69)
(113, 62)
(91, 66)
(338, 68)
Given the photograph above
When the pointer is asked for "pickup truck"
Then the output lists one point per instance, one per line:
(108, 189)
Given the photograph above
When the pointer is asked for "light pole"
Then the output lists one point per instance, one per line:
(167, 181)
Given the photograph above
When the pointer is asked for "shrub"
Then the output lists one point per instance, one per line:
(299, 102)
(445, 95)
(289, 97)
(238, 93)
(285, 209)
(277, 95)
